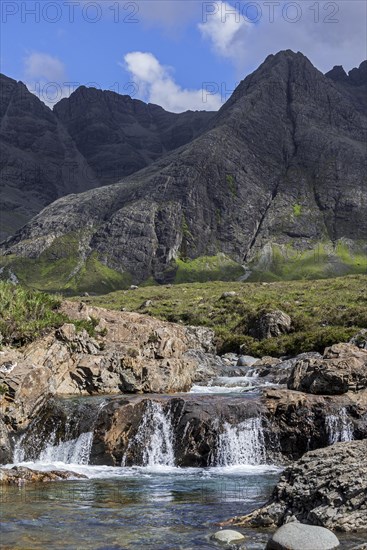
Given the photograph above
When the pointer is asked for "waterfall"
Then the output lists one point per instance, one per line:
(74, 451)
(242, 444)
(154, 438)
(66, 437)
(339, 427)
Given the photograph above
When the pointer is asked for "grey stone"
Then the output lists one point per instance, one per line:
(342, 368)
(246, 361)
(326, 487)
(228, 536)
(297, 536)
(360, 339)
(271, 324)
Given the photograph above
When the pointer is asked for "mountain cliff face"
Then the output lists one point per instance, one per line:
(39, 160)
(118, 135)
(91, 139)
(275, 187)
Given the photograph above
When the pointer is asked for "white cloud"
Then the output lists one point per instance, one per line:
(226, 29)
(46, 77)
(44, 66)
(333, 35)
(156, 85)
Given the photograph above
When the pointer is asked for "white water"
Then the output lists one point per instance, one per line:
(242, 444)
(155, 436)
(72, 451)
(233, 384)
(338, 427)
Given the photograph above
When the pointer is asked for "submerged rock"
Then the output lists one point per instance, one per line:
(326, 487)
(297, 536)
(19, 475)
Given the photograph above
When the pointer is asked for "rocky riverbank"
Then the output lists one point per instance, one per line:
(326, 487)
(311, 409)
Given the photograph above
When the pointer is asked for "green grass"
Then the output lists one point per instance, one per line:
(297, 210)
(207, 268)
(323, 311)
(322, 261)
(27, 314)
(60, 269)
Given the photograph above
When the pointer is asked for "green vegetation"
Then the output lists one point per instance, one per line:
(323, 311)
(231, 184)
(208, 268)
(27, 314)
(60, 268)
(297, 210)
(323, 261)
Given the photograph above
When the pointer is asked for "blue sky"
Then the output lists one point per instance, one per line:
(169, 49)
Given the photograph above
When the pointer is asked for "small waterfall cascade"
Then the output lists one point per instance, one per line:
(66, 437)
(339, 427)
(154, 438)
(74, 451)
(241, 444)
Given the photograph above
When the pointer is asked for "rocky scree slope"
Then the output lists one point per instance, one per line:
(277, 183)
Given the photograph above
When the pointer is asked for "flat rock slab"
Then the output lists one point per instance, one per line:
(19, 475)
(228, 536)
(297, 536)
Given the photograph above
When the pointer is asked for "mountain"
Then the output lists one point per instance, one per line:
(274, 188)
(39, 160)
(118, 135)
(91, 139)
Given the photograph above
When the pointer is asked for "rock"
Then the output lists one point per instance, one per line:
(130, 353)
(267, 361)
(5, 446)
(246, 361)
(342, 368)
(228, 536)
(230, 294)
(195, 423)
(360, 339)
(134, 287)
(230, 359)
(19, 475)
(146, 304)
(326, 487)
(297, 536)
(270, 325)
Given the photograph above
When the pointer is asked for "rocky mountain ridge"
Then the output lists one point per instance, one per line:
(93, 138)
(274, 188)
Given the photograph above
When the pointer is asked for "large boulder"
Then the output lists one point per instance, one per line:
(271, 324)
(342, 368)
(297, 536)
(326, 487)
